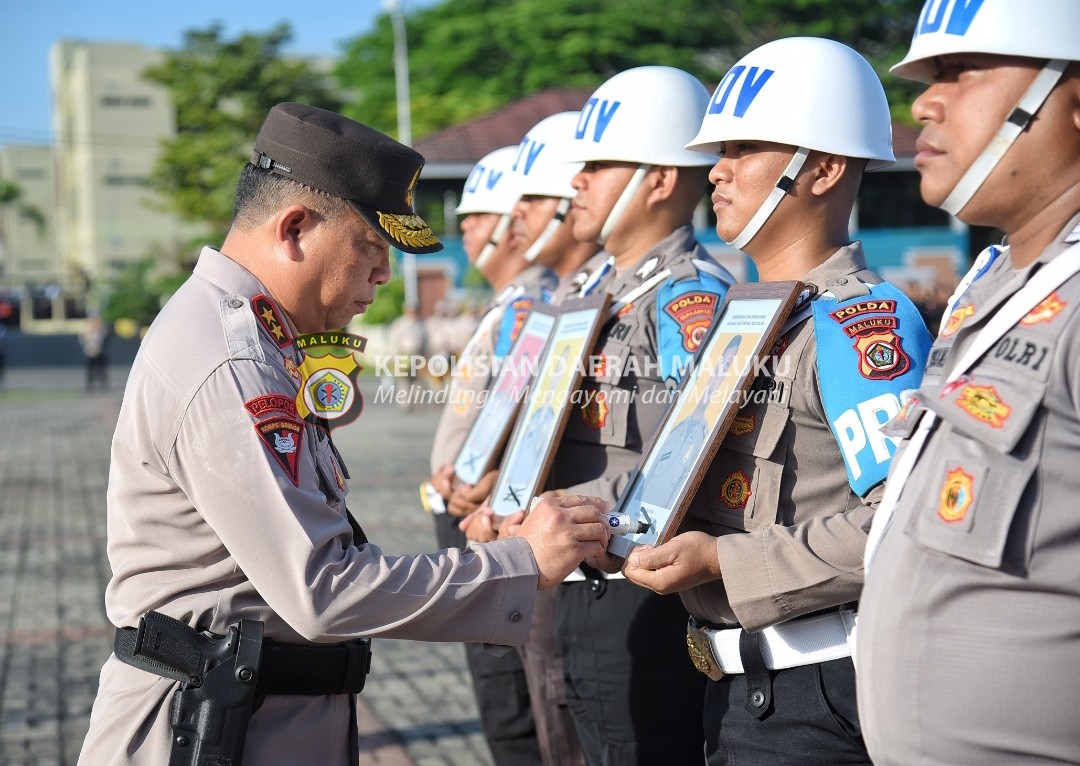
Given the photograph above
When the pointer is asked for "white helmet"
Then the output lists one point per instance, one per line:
(1046, 29)
(538, 166)
(806, 92)
(1043, 29)
(490, 188)
(644, 115)
(802, 91)
(539, 169)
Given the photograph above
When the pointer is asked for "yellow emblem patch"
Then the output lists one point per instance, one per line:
(743, 424)
(956, 319)
(956, 497)
(984, 404)
(735, 490)
(1045, 311)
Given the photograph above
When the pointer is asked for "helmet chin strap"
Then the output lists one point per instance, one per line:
(787, 180)
(1010, 130)
(549, 231)
(496, 237)
(622, 203)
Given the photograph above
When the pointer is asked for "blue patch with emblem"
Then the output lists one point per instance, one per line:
(869, 350)
(684, 312)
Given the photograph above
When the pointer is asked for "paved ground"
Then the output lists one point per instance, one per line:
(54, 450)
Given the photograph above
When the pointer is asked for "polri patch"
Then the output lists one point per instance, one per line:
(283, 436)
(984, 404)
(881, 355)
(956, 496)
(267, 314)
(693, 311)
(735, 490)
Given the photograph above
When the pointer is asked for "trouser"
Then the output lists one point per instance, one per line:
(502, 692)
(634, 695)
(801, 716)
(95, 370)
(559, 744)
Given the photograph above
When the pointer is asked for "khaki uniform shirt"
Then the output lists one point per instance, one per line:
(474, 368)
(623, 404)
(790, 528)
(208, 525)
(969, 638)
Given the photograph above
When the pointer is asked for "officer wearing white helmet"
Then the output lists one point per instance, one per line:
(635, 195)
(769, 560)
(487, 202)
(543, 213)
(967, 641)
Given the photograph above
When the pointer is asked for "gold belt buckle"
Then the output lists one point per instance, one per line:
(701, 653)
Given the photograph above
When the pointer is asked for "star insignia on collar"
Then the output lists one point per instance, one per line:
(648, 267)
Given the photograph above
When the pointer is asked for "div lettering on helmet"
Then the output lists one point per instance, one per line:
(960, 14)
(751, 86)
(528, 151)
(604, 111)
(472, 183)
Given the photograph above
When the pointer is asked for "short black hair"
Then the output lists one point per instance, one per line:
(261, 193)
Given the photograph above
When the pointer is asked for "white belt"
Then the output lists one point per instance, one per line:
(804, 641)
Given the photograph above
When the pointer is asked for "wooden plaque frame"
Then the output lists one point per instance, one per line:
(536, 434)
(488, 433)
(677, 456)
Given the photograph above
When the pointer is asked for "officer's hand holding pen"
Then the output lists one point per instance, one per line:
(682, 562)
(563, 532)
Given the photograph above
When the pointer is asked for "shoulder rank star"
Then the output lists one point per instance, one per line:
(267, 314)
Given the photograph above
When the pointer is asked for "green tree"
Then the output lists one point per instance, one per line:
(11, 199)
(222, 90)
(468, 57)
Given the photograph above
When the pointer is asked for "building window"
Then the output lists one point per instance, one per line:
(116, 180)
(134, 102)
(890, 200)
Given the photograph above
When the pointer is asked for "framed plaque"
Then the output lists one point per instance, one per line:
(488, 433)
(675, 460)
(536, 435)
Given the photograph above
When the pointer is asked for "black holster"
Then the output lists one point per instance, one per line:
(223, 680)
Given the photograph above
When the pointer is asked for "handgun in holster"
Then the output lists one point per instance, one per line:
(218, 677)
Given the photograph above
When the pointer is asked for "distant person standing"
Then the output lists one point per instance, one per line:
(408, 339)
(92, 341)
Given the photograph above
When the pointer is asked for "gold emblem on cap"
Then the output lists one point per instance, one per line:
(412, 185)
(408, 229)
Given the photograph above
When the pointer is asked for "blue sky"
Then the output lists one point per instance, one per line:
(28, 28)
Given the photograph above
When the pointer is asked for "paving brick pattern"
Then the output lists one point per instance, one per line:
(54, 450)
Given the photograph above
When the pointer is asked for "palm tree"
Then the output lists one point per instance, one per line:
(11, 199)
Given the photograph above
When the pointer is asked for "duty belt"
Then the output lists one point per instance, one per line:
(283, 669)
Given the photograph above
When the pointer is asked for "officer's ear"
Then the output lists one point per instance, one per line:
(830, 171)
(290, 225)
(663, 181)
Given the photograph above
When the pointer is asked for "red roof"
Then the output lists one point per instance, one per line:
(468, 142)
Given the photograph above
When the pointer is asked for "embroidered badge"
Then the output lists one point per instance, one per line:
(881, 355)
(283, 437)
(598, 366)
(261, 405)
(595, 411)
(329, 389)
(956, 497)
(521, 307)
(983, 403)
(693, 312)
(735, 490)
(743, 425)
(267, 314)
(848, 313)
(956, 318)
(1045, 311)
(869, 324)
(293, 371)
(624, 310)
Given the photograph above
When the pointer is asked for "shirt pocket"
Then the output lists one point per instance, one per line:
(975, 501)
(743, 483)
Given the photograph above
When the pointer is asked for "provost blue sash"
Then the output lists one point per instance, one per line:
(869, 350)
(684, 312)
